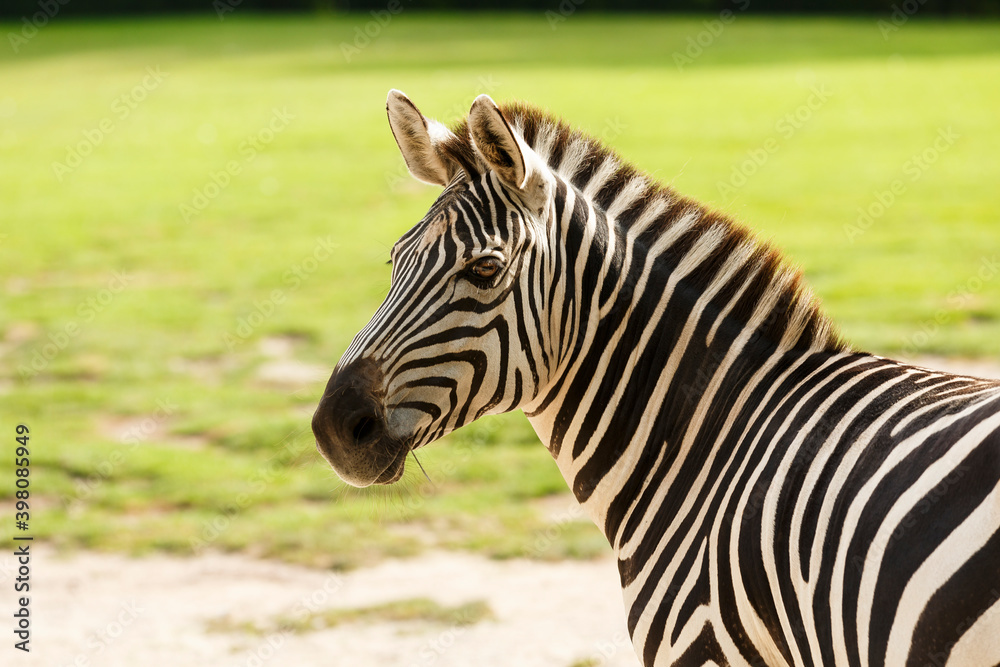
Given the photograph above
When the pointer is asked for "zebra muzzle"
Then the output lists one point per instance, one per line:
(350, 427)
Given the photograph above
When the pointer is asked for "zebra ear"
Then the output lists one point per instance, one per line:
(419, 139)
(502, 149)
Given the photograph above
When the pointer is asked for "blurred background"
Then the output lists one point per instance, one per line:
(197, 200)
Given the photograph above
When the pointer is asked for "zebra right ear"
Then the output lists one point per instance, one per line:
(418, 139)
(507, 154)
(497, 143)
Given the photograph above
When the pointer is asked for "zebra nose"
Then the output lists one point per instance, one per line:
(365, 426)
(348, 416)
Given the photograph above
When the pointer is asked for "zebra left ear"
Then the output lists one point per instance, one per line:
(500, 146)
(419, 140)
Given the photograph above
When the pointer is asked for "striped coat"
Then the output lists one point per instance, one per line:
(772, 496)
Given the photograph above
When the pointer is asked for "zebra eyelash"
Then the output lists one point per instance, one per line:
(469, 272)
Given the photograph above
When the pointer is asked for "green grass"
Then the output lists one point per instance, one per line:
(409, 610)
(293, 248)
(399, 611)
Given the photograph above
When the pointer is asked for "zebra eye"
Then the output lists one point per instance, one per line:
(485, 268)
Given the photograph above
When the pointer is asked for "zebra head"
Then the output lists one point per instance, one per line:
(450, 343)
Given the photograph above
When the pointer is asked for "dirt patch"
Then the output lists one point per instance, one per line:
(291, 373)
(282, 369)
(111, 610)
(146, 428)
(211, 371)
(559, 508)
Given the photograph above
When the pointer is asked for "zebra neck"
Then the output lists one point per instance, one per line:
(667, 327)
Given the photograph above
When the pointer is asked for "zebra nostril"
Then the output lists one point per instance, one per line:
(365, 429)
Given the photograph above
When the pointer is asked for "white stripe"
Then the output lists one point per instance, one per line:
(573, 157)
(945, 560)
(601, 176)
(853, 517)
(979, 646)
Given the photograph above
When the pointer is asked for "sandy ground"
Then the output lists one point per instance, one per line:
(100, 609)
(109, 610)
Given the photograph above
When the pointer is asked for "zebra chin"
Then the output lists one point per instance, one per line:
(351, 430)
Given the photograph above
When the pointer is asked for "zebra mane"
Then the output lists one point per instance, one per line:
(629, 196)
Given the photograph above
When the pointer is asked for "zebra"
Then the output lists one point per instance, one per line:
(772, 495)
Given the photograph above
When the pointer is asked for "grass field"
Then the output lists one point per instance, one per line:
(187, 202)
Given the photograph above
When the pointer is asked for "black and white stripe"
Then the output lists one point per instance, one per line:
(773, 497)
